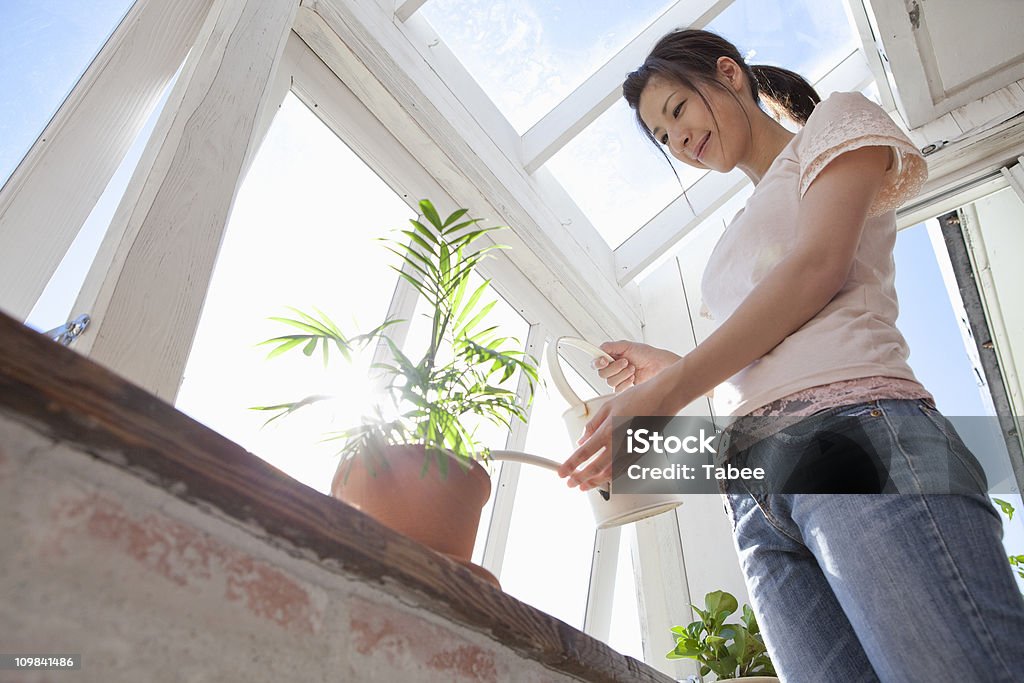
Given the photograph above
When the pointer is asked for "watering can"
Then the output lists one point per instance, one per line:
(610, 509)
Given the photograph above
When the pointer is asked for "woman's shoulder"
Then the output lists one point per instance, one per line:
(848, 120)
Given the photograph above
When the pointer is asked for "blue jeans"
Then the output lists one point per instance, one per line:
(906, 587)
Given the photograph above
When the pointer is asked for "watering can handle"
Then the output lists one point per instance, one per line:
(555, 368)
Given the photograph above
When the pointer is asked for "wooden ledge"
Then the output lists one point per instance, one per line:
(73, 400)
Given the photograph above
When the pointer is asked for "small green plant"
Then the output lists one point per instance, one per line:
(728, 650)
(1016, 561)
(465, 362)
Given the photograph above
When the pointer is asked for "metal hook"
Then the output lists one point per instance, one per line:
(69, 331)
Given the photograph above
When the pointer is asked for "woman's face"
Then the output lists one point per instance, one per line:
(678, 119)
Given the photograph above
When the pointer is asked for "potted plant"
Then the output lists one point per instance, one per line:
(412, 463)
(731, 651)
(1016, 561)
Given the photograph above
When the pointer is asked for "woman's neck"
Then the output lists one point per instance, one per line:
(767, 138)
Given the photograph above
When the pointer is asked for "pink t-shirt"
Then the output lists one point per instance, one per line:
(855, 335)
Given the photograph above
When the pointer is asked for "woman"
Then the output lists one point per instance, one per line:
(846, 587)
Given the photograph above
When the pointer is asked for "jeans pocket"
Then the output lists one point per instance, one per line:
(958, 451)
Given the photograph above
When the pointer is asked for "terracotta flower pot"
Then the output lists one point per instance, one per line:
(442, 513)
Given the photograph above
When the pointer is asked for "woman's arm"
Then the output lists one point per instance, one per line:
(832, 216)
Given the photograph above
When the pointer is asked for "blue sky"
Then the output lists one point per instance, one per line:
(44, 48)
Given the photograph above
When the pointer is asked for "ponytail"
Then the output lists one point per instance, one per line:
(690, 57)
(784, 93)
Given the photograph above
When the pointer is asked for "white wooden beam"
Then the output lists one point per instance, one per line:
(51, 193)
(508, 480)
(706, 195)
(662, 590)
(406, 8)
(597, 618)
(1014, 175)
(150, 298)
(593, 97)
(858, 16)
(951, 200)
(364, 47)
(973, 158)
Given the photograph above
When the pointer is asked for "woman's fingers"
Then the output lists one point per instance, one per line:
(597, 473)
(626, 382)
(620, 374)
(596, 463)
(581, 455)
(595, 439)
(613, 368)
(601, 479)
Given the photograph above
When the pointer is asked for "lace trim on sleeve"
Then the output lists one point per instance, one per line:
(860, 127)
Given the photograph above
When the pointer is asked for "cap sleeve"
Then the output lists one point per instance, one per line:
(848, 121)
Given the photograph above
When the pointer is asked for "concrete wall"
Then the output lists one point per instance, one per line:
(146, 587)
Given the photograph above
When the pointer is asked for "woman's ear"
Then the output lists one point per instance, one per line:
(730, 72)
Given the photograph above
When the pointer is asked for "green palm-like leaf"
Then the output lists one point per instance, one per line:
(425, 231)
(452, 229)
(283, 409)
(430, 213)
(454, 216)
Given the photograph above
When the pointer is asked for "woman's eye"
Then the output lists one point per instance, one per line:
(675, 112)
(664, 139)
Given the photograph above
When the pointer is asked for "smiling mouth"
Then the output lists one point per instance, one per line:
(699, 152)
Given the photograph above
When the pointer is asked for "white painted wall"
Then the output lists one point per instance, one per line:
(1001, 226)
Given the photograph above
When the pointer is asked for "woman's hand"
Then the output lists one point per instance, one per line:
(634, 363)
(596, 442)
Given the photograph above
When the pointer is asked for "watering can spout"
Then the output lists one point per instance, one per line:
(529, 459)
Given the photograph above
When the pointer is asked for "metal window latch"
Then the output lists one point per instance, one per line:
(69, 331)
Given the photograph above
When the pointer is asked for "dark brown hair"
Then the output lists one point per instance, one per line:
(690, 57)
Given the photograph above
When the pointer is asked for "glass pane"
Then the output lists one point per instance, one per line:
(806, 36)
(302, 233)
(551, 538)
(616, 176)
(527, 56)
(44, 49)
(58, 298)
(930, 326)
